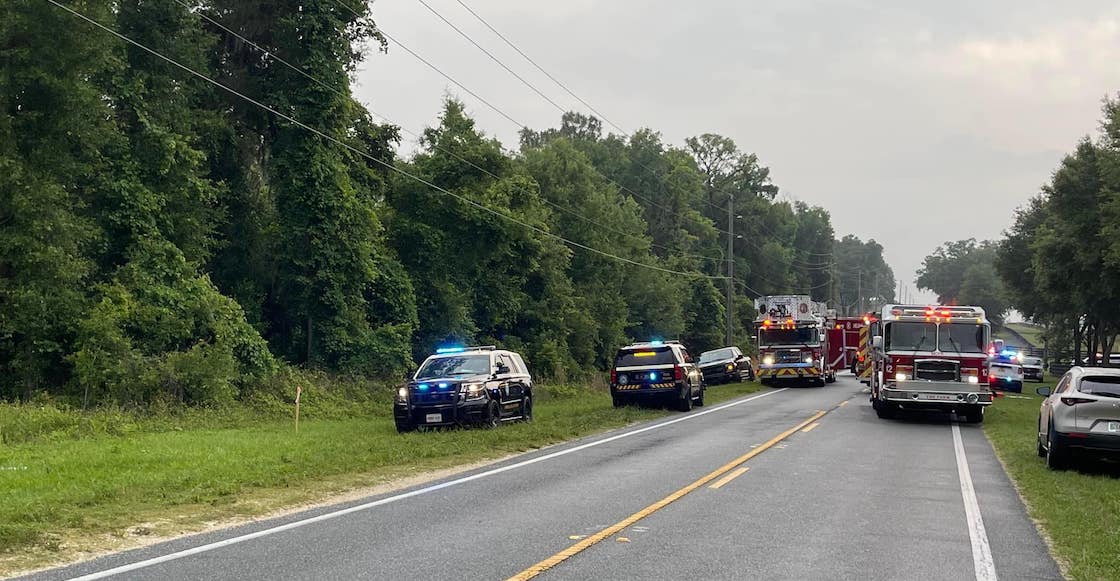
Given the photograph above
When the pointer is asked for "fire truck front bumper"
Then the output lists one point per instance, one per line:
(790, 371)
(936, 394)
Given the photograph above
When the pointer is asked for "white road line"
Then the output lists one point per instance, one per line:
(335, 514)
(981, 550)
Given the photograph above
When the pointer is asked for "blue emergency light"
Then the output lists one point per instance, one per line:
(444, 385)
(443, 350)
(657, 342)
(422, 386)
(653, 377)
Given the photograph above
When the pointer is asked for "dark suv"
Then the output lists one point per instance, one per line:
(656, 371)
(463, 386)
(725, 366)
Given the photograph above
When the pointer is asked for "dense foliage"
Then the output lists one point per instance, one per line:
(162, 239)
(1061, 258)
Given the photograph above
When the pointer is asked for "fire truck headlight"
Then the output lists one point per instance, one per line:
(901, 377)
(808, 359)
(973, 379)
(768, 360)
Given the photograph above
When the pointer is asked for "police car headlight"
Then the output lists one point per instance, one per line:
(473, 389)
(768, 360)
(402, 395)
(730, 367)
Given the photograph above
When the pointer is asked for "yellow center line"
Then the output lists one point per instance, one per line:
(843, 403)
(810, 427)
(729, 477)
(606, 533)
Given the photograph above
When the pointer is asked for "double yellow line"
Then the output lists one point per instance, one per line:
(606, 533)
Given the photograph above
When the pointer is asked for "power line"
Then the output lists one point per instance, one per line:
(492, 57)
(272, 54)
(541, 69)
(650, 171)
(366, 155)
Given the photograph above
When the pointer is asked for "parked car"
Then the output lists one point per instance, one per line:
(660, 371)
(1032, 368)
(466, 385)
(725, 365)
(1081, 413)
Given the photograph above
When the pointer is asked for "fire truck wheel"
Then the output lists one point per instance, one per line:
(830, 378)
(974, 415)
(886, 411)
(819, 382)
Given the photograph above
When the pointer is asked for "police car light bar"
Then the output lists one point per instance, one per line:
(460, 349)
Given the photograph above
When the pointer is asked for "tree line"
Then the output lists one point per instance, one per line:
(164, 239)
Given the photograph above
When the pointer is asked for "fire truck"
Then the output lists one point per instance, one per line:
(843, 342)
(930, 358)
(792, 342)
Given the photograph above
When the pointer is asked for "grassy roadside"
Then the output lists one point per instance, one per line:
(61, 498)
(1079, 509)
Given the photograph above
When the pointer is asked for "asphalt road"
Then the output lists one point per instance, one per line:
(853, 497)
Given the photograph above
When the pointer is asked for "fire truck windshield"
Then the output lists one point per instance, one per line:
(903, 336)
(961, 338)
(798, 336)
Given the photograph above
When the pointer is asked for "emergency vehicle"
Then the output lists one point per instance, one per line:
(792, 340)
(843, 342)
(931, 358)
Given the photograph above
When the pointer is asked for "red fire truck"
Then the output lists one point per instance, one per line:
(843, 342)
(792, 340)
(930, 358)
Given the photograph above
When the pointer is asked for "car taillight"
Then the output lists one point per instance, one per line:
(614, 376)
(678, 373)
(1071, 401)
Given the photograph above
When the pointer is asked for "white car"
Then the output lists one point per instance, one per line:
(1032, 368)
(1005, 375)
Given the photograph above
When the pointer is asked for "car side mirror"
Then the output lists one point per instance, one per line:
(877, 342)
(502, 370)
(1043, 391)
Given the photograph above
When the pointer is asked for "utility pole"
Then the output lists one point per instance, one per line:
(730, 269)
(859, 290)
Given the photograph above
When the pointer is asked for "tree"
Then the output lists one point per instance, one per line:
(963, 273)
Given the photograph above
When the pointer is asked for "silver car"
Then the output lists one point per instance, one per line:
(1082, 413)
(1032, 368)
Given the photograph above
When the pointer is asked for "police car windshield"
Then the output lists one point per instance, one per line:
(454, 365)
(801, 336)
(961, 338)
(637, 357)
(716, 355)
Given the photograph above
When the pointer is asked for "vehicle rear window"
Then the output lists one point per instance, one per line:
(636, 357)
(1102, 385)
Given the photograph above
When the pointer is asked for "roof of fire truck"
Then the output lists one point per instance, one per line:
(934, 313)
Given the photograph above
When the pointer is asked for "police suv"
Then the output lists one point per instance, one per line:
(464, 386)
(661, 371)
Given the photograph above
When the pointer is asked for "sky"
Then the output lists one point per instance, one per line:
(912, 123)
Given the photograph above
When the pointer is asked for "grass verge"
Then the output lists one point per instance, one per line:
(1078, 509)
(70, 497)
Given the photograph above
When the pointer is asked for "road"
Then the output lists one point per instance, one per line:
(843, 496)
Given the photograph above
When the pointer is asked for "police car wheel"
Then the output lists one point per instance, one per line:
(684, 402)
(493, 415)
(405, 427)
(527, 409)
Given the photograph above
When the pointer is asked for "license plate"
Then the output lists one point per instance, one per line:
(1114, 426)
(433, 418)
(938, 396)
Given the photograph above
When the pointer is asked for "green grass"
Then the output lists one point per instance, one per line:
(1032, 333)
(1078, 509)
(79, 488)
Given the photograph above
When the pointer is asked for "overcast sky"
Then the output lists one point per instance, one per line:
(912, 125)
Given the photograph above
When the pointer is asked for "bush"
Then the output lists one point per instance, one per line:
(159, 328)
